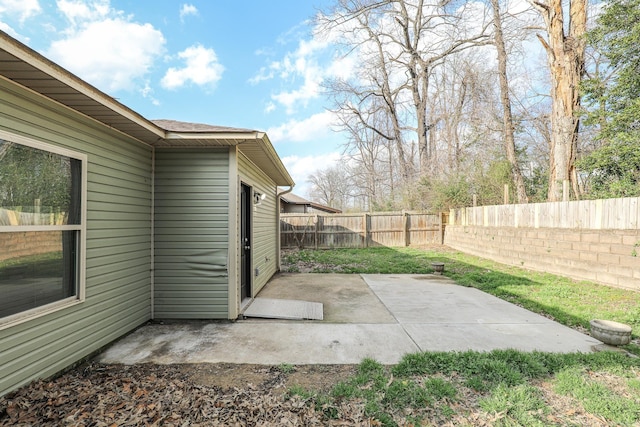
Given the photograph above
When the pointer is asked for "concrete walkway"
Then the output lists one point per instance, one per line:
(378, 316)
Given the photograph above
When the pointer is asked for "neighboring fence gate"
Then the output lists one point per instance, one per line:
(393, 229)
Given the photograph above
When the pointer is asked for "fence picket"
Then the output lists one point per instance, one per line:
(610, 214)
(360, 230)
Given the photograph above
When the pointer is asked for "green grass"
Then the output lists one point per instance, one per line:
(286, 368)
(507, 387)
(521, 405)
(428, 387)
(596, 397)
(367, 261)
(47, 264)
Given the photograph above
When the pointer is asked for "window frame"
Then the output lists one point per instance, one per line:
(81, 229)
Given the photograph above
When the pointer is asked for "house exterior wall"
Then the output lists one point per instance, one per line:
(265, 227)
(191, 220)
(291, 208)
(118, 240)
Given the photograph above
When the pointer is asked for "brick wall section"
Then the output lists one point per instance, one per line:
(610, 257)
(22, 243)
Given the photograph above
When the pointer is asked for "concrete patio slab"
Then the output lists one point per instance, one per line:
(382, 317)
(487, 337)
(442, 316)
(267, 343)
(346, 297)
(412, 299)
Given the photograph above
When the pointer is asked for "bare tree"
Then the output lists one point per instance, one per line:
(372, 105)
(465, 99)
(429, 34)
(410, 40)
(507, 117)
(565, 47)
(331, 187)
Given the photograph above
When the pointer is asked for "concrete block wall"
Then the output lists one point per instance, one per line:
(610, 257)
(25, 243)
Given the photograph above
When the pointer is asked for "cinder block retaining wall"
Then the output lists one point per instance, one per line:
(610, 257)
(23, 243)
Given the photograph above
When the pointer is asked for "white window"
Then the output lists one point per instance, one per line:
(42, 227)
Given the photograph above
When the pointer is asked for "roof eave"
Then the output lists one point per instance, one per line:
(147, 131)
(255, 145)
(56, 83)
(279, 174)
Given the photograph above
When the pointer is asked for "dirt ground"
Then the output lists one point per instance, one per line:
(227, 375)
(93, 394)
(223, 394)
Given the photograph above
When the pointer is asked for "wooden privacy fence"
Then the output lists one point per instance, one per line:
(603, 214)
(363, 230)
(13, 217)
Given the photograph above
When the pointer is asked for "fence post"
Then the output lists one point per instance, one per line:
(405, 224)
(441, 228)
(365, 228)
(315, 232)
(36, 212)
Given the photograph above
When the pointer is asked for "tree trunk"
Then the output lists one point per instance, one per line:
(565, 56)
(507, 118)
(391, 107)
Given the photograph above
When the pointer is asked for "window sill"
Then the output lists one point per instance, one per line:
(35, 313)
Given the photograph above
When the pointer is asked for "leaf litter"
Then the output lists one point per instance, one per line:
(168, 395)
(223, 394)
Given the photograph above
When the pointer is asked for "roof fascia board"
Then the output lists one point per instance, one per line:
(238, 138)
(214, 136)
(324, 208)
(270, 151)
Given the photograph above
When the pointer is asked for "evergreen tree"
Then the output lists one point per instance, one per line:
(614, 167)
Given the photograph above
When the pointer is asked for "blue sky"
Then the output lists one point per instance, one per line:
(250, 64)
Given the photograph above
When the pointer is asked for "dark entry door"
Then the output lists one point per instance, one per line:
(245, 242)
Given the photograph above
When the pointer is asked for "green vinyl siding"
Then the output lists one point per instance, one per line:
(118, 241)
(263, 223)
(191, 234)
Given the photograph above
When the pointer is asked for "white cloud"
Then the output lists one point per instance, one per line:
(201, 68)
(111, 53)
(7, 29)
(302, 64)
(147, 92)
(300, 168)
(104, 46)
(80, 12)
(309, 129)
(303, 71)
(302, 95)
(186, 10)
(24, 9)
(265, 73)
(270, 107)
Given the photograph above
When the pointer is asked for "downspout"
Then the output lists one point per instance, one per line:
(153, 228)
(279, 237)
